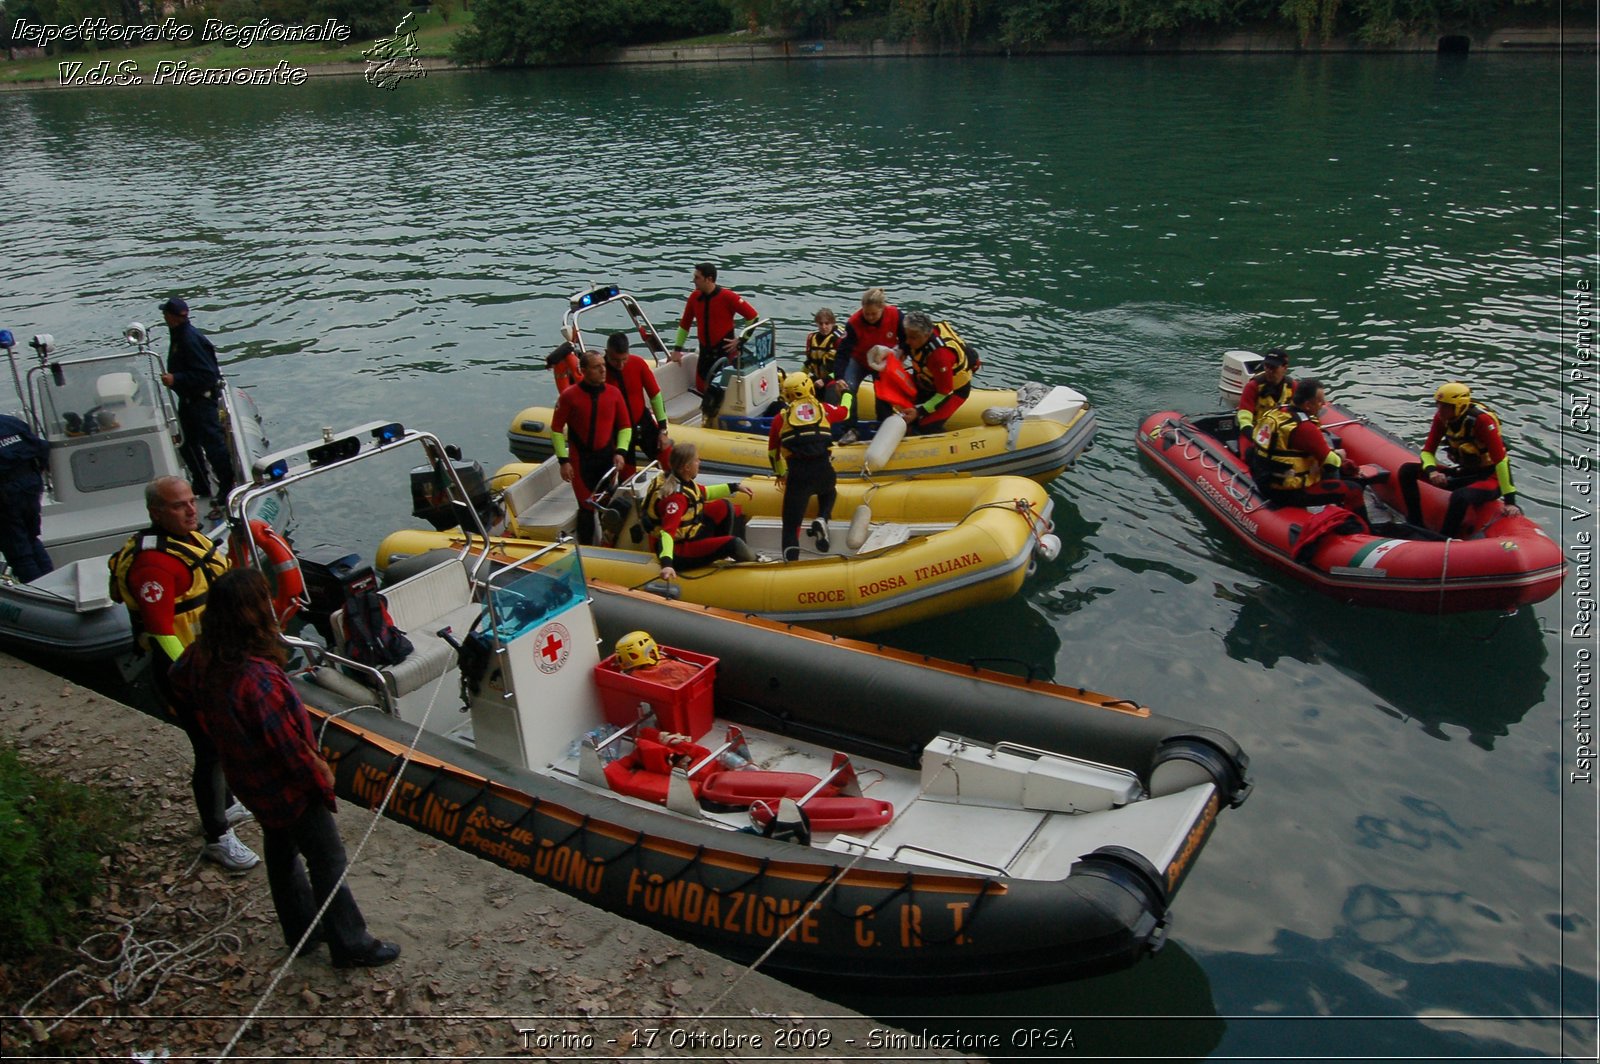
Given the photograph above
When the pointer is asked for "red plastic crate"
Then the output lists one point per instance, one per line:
(685, 707)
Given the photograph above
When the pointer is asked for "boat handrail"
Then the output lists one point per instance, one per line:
(942, 855)
(1006, 746)
(609, 294)
(320, 655)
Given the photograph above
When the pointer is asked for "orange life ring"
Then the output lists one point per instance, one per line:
(282, 568)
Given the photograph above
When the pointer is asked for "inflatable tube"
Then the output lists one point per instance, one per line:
(1499, 562)
(979, 553)
(860, 527)
(880, 451)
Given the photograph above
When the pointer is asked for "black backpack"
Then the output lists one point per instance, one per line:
(373, 638)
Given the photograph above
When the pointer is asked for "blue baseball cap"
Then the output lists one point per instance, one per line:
(175, 305)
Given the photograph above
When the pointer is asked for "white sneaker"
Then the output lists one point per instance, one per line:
(231, 854)
(237, 814)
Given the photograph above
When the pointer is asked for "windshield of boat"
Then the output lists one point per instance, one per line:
(522, 604)
(90, 396)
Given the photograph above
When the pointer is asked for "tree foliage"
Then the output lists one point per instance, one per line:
(517, 32)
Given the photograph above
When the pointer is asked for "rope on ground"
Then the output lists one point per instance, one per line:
(316, 920)
(134, 969)
(821, 896)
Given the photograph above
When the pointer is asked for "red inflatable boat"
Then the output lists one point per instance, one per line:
(1499, 562)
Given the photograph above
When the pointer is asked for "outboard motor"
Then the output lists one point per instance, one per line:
(430, 497)
(333, 575)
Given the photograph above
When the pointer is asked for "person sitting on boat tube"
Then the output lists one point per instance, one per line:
(1480, 469)
(590, 434)
(694, 525)
(641, 394)
(711, 310)
(1292, 462)
(1269, 389)
(942, 369)
(800, 447)
(822, 351)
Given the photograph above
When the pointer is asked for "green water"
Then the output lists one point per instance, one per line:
(1414, 875)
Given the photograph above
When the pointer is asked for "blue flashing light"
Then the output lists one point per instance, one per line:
(388, 433)
(277, 470)
(587, 300)
(6, 339)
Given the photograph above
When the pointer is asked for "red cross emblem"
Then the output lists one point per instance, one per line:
(555, 645)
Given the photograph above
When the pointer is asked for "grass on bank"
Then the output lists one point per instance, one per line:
(53, 835)
(434, 39)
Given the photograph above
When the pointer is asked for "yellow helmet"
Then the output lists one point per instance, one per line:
(797, 386)
(637, 649)
(1455, 394)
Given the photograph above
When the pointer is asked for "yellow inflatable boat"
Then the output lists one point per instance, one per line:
(1036, 432)
(931, 547)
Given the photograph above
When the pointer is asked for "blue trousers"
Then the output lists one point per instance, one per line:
(203, 444)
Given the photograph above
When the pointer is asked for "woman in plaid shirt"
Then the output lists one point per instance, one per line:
(232, 679)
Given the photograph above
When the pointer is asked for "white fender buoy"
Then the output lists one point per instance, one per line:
(891, 430)
(1049, 546)
(860, 527)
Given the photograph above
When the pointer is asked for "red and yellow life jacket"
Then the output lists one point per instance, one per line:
(1461, 440)
(805, 432)
(943, 335)
(199, 557)
(1285, 467)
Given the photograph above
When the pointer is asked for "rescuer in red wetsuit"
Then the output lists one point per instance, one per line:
(591, 436)
(710, 309)
(1291, 455)
(942, 370)
(647, 409)
(1481, 470)
(1266, 390)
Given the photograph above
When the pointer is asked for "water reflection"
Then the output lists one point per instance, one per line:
(1160, 1008)
(1397, 656)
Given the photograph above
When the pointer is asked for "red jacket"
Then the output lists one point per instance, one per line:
(637, 385)
(712, 316)
(860, 337)
(591, 418)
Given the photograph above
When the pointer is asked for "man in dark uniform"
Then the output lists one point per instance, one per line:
(194, 375)
(22, 455)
